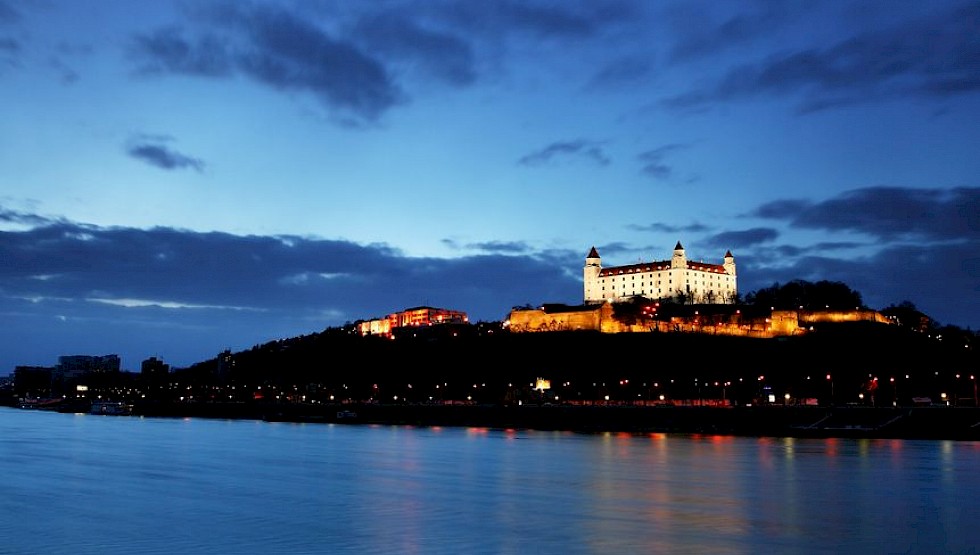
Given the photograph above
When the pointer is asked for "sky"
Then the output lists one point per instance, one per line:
(181, 178)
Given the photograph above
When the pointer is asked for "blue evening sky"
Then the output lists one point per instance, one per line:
(179, 178)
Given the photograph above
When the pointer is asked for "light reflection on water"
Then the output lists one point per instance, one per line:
(86, 484)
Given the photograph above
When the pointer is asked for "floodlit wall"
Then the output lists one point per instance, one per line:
(779, 323)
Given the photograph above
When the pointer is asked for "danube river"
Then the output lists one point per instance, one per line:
(99, 484)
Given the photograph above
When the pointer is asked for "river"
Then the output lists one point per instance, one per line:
(94, 484)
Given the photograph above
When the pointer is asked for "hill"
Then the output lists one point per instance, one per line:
(857, 362)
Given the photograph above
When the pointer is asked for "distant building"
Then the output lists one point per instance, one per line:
(677, 278)
(419, 316)
(75, 366)
(154, 371)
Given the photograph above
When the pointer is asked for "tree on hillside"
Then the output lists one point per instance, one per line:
(806, 295)
(906, 314)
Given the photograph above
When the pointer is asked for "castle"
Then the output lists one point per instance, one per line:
(697, 290)
(677, 278)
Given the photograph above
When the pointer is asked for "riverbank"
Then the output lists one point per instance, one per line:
(953, 423)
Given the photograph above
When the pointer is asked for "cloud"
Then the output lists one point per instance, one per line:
(150, 149)
(11, 216)
(589, 150)
(664, 228)
(7, 13)
(743, 238)
(438, 53)
(9, 53)
(495, 247)
(167, 51)
(653, 161)
(195, 293)
(928, 57)
(888, 213)
(279, 49)
(623, 71)
(503, 247)
(567, 19)
(700, 36)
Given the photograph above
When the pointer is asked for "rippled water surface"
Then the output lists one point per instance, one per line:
(93, 484)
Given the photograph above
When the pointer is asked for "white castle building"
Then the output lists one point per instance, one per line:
(677, 278)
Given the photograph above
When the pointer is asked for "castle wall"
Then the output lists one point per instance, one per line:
(779, 323)
(815, 317)
(538, 320)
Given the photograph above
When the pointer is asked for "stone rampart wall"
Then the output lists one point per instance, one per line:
(779, 323)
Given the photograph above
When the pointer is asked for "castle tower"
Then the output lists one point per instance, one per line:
(729, 263)
(679, 260)
(590, 276)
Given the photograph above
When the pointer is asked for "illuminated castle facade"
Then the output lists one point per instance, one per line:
(677, 278)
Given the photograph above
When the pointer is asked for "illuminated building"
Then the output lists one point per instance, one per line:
(419, 316)
(677, 278)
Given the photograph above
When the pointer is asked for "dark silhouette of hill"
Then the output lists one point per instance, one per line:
(592, 365)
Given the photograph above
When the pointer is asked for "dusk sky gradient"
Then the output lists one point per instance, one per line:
(180, 178)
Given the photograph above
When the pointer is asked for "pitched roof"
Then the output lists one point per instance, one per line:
(593, 253)
(657, 266)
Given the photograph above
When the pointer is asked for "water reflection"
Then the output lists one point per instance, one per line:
(85, 484)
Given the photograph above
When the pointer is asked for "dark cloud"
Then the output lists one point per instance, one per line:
(653, 161)
(615, 249)
(589, 150)
(781, 209)
(154, 152)
(201, 289)
(837, 246)
(9, 53)
(621, 72)
(888, 213)
(167, 51)
(279, 49)
(494, 247)
(743, 238)
(931, 56)
(501, 247)
(439, 54)
(565, 19)
(699, 36)
(664, 228)
(7, 13)
(12, 216)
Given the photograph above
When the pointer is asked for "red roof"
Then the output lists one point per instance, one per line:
(657, 266)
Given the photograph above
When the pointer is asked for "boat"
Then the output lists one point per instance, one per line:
(111, 408)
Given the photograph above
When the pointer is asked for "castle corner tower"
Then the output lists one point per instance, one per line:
(593, 265)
